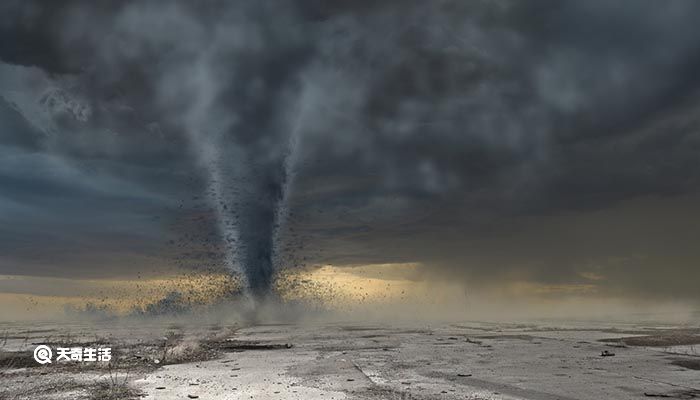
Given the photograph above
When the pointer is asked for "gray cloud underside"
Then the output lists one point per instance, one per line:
(476, 137)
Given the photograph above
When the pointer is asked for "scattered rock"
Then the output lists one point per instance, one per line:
(660, 340)
(237, 345)
(688, 363)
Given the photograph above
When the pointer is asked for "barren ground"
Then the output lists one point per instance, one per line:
(356, 361)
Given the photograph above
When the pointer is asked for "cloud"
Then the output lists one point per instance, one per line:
(421, 131)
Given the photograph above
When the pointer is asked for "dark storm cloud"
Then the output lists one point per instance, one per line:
(403, 131)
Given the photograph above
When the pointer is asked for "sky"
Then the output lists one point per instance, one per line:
(547, 147)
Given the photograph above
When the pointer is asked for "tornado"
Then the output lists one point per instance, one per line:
(239, 103)
(249, 197)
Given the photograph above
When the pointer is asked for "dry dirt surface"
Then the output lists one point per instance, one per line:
(355, 361)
